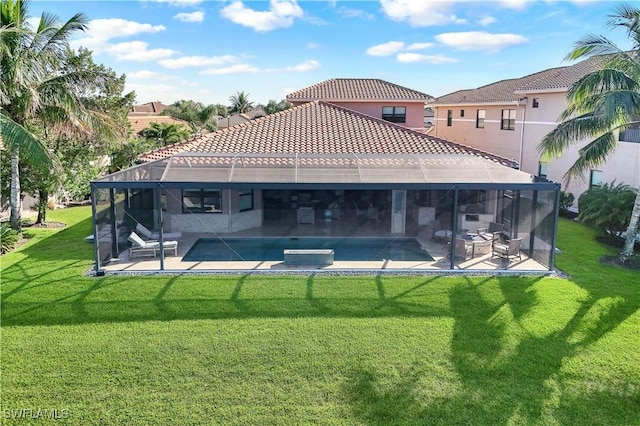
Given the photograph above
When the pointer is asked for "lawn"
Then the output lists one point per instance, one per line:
(360, 350)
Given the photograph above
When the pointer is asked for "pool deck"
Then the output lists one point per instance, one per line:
(438, 250)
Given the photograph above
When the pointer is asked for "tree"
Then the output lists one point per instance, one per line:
(240, 103)
(601, 104)
(272, 107)
(163, 134)
(36, 92)
(198, 116)
(607, 207)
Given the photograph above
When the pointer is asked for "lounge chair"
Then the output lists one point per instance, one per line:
(144, 231)
(492, 232)
(508, 250)
(140, 247)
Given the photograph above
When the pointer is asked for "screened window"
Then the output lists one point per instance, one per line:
(535, 103)
(508, 119)
(595, 179)
(396, 114)
(449, 117)
(201, 201)
(480, 119)
(631, 133)
(245, 199)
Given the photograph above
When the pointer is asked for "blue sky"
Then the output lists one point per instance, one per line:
(209, 50)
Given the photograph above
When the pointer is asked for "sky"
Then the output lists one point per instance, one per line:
(207, 51)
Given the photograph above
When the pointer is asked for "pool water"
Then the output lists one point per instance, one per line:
(271, 249)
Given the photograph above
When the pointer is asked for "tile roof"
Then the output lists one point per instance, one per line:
(357, 89)
(511, 90)
(149, 108)
(322, 128)
(139, 123)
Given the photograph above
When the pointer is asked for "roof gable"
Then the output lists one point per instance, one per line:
(357, 89)
(319, 128)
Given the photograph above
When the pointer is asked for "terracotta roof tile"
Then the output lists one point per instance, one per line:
(360, 89)
(323, 128)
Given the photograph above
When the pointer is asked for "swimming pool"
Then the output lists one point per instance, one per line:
(271, 249)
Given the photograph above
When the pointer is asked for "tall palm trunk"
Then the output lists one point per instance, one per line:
(16, 196)
(630, 240)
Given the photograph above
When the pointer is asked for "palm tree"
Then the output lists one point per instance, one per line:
(240, 103)
(37, 91)
(601, 104)
(164, 134)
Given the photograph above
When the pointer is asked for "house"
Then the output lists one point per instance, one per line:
(510, 117)
(141, 116)
(374, 97)
(324, 169)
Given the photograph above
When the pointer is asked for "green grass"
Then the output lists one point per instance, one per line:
(313, 349)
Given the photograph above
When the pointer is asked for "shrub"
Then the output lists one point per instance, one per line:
(9, 238)
(607, 207)
(566, 201)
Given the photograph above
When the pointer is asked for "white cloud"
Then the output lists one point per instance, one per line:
(409, 57)
(313, 46)
(420, 13)
(197, 61)
(235, 69)
(385, 49)
(190, 17)
(309, 65)
(514, 4)
(419, 46)
(107, 29)
(143, 75)
(348, 12)
(281, 14)
(487, 20)
(480, 40)
(137, 51)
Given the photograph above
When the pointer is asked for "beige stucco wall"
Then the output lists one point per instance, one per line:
(521, 144)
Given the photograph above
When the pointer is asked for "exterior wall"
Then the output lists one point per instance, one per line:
(521, 144)
(230, 220)
(415, 110)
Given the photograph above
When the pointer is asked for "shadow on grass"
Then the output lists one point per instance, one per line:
(507, 374)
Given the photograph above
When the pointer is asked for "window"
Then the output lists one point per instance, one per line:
(449, 117)
(508, 119)
(461, 113)
(535, 103)
(396, 114)
(480, 119)
(201, 201)
(632, 132)
(542, 170)
(595, 179)
(245, 199)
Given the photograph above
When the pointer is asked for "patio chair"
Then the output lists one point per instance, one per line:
(156, 235)
(140, 247)
(462, 249)
(491, 232)
(508, 250)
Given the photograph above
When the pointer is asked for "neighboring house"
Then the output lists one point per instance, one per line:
(510, 117)
(374, 97)
(150, 108)
(141, 116)
(327, 168)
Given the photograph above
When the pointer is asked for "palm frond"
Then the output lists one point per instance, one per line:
(592, 45)
(627, 17)
(593, 155)
(31, 148)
